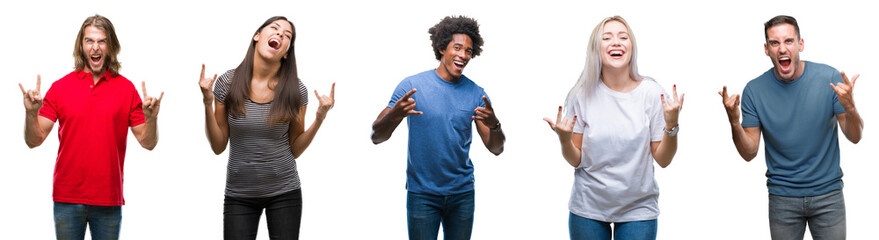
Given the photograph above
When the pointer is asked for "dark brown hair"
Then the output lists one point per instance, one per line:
(111, 63)
(441, 33)
(780, 19)
(287, 100)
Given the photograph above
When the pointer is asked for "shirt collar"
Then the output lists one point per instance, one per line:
(83, 75)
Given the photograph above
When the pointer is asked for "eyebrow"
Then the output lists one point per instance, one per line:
(620, 32)
(285, 30)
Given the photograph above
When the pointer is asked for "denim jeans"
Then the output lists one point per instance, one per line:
(72, 218)
(825, 215)
(582, 228)
(426, 212)
(283, 215)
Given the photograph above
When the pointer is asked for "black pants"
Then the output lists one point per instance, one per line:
(283, 214)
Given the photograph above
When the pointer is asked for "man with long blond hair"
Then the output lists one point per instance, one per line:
(93, 105)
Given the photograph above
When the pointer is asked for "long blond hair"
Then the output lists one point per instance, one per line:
(591, 74)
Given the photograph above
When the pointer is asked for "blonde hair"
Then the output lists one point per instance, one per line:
(591, 74)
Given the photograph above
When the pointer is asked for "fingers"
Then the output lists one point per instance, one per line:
(855, 78)
(674, 90)
(413, 112)
(662, 97)
(559, 116)
(408, 94)
(724, 92)
(22, 89)
(333, 91)
(38, 83)
(316, 95)
(143, 87)
(160, 97)
(487, 103)
(551, 124)
(681, 101)
(738, 99)
(202, 73)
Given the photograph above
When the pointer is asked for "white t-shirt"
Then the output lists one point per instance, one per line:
(614, 182)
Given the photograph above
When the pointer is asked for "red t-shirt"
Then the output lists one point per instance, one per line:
(93, 121)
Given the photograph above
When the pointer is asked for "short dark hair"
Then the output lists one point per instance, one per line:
(441, 33)
(780, 19)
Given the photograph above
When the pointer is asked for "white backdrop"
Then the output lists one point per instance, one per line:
(533, 53)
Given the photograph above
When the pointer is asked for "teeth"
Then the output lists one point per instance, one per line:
(459, 63)
(783, 58)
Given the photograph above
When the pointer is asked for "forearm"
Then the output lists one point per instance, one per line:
(854, 125)
(150, 136)
(383, 127)
(216, 137)
(570, 152)
(745, 145)
(33, 134)
(496, 141)
(301, 143)
(666, 150)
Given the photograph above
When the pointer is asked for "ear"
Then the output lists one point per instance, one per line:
(256, 37)
(766, 48)
(802, 44)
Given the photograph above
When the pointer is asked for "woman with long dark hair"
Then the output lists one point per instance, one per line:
(259, 108)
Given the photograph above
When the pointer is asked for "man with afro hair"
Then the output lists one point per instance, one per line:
(439, 174)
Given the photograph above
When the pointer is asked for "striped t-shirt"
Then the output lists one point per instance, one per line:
(261, 163)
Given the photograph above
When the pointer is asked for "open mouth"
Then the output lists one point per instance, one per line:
(96, 58)
(616, 53)
(459, 64)
(274, 44)
(784, 62)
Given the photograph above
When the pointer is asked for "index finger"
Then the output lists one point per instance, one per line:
(559, 116)
(38, 83)
(143, 87)
(487, 103)
(724, 92)
(22, 89)
(408, 94)
(202, 72)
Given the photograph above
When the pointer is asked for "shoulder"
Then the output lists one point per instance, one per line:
(226, 77)
(822, 71)
(651, 85)
(767, 77)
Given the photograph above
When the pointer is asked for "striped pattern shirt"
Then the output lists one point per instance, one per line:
(261, 163)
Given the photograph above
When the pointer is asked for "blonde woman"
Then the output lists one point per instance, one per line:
(618, 124)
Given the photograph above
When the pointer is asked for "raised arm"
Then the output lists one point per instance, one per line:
(850, 122)
(299, 138)
(147, 133)
(489, 128)
(664, 150)
(747, 140)
(390, 118)
(571, 142)
(216, 125)
(36, 127)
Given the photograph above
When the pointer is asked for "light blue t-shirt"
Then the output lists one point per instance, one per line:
(439, 140)
(799, 126)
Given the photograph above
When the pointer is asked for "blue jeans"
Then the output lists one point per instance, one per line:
(426, 212)
(825, 215)
(582, 228)
(283, 216)
(72, 218)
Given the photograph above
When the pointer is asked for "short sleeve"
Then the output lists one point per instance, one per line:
(749, 111)
(402, 88)
(50, 106)
(135, 111)
(574, 109)
(303, 93)
(221, 87)
(836, 78)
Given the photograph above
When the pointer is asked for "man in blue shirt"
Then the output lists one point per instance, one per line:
(439, 174)
(798, 112)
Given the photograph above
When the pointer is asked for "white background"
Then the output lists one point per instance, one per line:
(533, 53)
